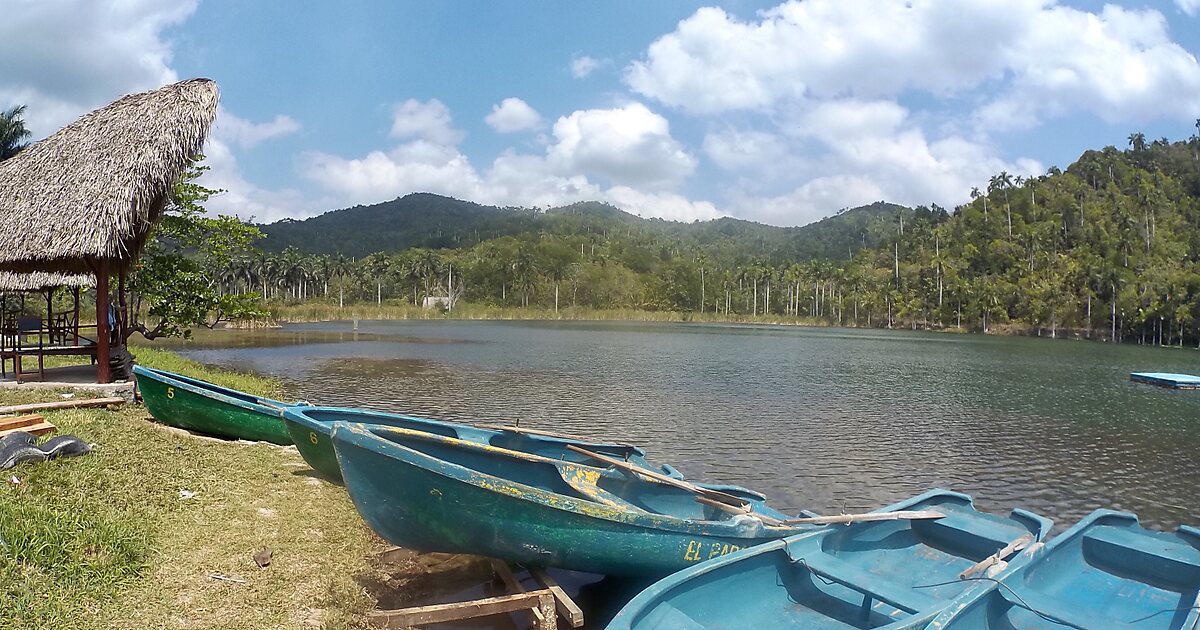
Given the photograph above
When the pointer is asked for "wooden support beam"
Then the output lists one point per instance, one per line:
(506, 575)
(567, 609)
(63, 404)
(103, 368)
(541, 600)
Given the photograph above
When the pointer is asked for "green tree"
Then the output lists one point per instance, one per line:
(173, 283)
(13, 133)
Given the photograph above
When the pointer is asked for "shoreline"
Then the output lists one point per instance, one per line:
(315, 313)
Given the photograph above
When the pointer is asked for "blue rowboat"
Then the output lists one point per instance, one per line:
(1105, 572)
(437, 493)
(884, 574)
(310, 429)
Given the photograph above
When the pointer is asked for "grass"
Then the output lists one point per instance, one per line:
(106, 540)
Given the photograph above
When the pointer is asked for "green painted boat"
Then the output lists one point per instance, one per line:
(436, 493)
(310, 429)
(188, 403)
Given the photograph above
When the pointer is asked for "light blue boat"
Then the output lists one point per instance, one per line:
(884, 574)
(1106, 572)
(310, 428)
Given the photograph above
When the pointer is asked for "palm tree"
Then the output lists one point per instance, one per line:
(341, 268)
(12, 132)
(1137, 142)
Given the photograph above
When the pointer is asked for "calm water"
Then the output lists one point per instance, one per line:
(824, 419)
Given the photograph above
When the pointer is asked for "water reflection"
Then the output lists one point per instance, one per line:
(826, 419)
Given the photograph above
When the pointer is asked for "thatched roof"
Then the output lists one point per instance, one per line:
(40, 280)
(94, 188)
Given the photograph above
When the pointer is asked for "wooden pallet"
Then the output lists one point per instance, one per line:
(545, 605)
(33, 423)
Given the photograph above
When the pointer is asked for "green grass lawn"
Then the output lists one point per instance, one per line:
(106, 540)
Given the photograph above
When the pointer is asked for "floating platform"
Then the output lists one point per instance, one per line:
(1166, 379)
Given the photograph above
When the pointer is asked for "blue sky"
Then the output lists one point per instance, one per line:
(774, 112)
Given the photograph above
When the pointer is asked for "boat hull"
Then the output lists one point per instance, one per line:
(418, 503)
(1105, 572)
(195, 405)
(892, 574)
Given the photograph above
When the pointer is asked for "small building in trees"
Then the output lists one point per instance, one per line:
(82, 201)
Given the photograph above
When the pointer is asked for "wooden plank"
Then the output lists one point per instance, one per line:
(1008, 550)
(63, 404)
(42, 428)
(846, 519)
(16, 422)
(441, 613)
(506, 575)
(745, 509)
(567, 609)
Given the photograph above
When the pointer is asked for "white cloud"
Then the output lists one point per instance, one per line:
(65, 58)
(428, 121)
(629, 145)
(669, 206)
(1033, 58)
(512, 115)
(865, 151)
(417, 166)
(584, 65)
(1190, 7)
(246, 134)
(243, 198)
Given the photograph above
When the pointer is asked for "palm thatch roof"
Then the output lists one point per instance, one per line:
(94, 188)
(12, 281)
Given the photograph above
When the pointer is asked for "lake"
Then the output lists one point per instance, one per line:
(826, 419)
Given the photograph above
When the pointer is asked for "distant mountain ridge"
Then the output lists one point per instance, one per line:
(437, 222)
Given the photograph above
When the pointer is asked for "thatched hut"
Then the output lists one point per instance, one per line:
(83, 200)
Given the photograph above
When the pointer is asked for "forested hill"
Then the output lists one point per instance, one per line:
(431, 221)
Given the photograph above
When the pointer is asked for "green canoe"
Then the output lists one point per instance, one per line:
(436, 493)
(196, 405)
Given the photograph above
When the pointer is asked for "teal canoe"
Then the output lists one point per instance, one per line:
(310, 428)
(1105, 572)
(192, 404)
(885, 574)
(436, 493)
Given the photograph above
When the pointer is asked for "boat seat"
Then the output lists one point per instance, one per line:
(578, 479)
(845, 573)
(985, 536)
(1149, 558)
(1068, 615)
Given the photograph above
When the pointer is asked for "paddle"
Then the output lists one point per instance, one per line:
(714, 495)
(1008, 550)
(516, 429)
(869, 517)
(745, 510)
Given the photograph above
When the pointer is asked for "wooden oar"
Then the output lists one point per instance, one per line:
(865, 518)
(1008, 550)
(561, 436)
(715, 495)
(746, 510)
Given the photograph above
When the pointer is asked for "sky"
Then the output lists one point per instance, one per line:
(782, 113)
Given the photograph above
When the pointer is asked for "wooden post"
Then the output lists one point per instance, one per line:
(75, 311)
(103, 369)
